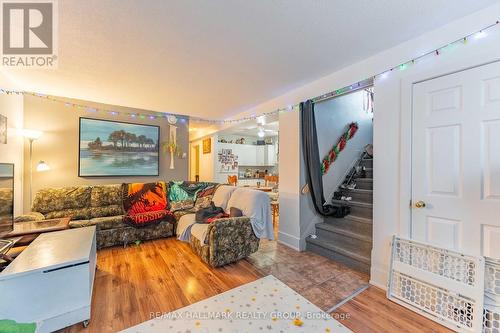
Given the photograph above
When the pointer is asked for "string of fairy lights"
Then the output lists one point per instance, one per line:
(353, 87)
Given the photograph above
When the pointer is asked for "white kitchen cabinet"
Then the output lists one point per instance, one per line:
(260, 159)
(247, 154)
(270, 154)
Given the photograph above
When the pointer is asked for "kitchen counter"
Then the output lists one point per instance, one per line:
(251, 178)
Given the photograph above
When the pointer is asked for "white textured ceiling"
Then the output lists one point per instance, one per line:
(214, 58)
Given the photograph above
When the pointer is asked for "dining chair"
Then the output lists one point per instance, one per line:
(232, 180)
(271, 179)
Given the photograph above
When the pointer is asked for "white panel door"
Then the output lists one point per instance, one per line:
(456, 161)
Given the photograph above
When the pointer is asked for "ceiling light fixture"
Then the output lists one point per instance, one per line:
(480, 34)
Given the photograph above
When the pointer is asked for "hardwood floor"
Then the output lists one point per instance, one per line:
(133, 284)
(371, 311)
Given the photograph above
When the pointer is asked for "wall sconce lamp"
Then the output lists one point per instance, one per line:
(42, 166)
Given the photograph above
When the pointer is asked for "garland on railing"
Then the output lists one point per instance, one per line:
(335, 151)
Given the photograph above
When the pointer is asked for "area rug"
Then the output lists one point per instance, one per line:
(265, 305)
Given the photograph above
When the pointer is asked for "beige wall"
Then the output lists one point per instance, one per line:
(207, 161)
(11, 106)
(58, 147)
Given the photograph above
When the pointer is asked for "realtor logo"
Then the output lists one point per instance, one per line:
(28, 33)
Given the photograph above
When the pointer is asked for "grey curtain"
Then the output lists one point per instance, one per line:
(312, 160)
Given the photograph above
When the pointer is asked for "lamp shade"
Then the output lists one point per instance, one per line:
(31, 134)
(42, 166)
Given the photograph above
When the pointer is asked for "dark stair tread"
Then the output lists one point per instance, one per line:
(358, 219)
(352, 203)
(365, 180)
(351, 218)
(357, 190)
(350, 234)
(345, 252)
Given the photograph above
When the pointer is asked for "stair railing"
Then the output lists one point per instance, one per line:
(354, 170)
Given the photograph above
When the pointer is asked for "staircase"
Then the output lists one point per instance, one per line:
(348, 240)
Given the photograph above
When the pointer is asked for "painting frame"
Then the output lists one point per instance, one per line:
(83, 174)
(207, 146)
(12, 176)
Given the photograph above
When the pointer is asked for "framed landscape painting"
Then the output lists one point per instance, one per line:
(112, 148)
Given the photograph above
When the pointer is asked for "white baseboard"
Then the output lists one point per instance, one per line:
(378, 277)
(289, 240)
(378, 285)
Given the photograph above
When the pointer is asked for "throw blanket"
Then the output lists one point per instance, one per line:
(184, 226)
(253, 204)
(186, 190)
(256, 205)
(145, 204)
(197, 224)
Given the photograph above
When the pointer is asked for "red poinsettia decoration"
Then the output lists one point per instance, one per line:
(353, 128)
(325, 166)
(342, 143)
(333, 153)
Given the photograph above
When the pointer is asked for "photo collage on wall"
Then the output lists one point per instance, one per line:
(228, 161)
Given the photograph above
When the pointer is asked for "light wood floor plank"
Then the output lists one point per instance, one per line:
(134, 283)
(371, 311)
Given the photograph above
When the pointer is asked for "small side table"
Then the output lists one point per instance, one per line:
(52, 280)
(32, 229)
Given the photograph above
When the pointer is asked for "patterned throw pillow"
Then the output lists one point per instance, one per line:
(181, 205)
(203, 202)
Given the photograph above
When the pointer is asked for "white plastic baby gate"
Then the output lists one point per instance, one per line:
(491, 319)
(443, 285)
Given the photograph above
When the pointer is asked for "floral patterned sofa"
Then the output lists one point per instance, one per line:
(228, 239)
(6, 195)
(99, 205)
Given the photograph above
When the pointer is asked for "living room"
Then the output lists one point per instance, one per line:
(249, 166)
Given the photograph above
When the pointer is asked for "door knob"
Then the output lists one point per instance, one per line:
(420, 204)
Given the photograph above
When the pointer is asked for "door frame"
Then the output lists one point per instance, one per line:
(193, 158)
(406, 129)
